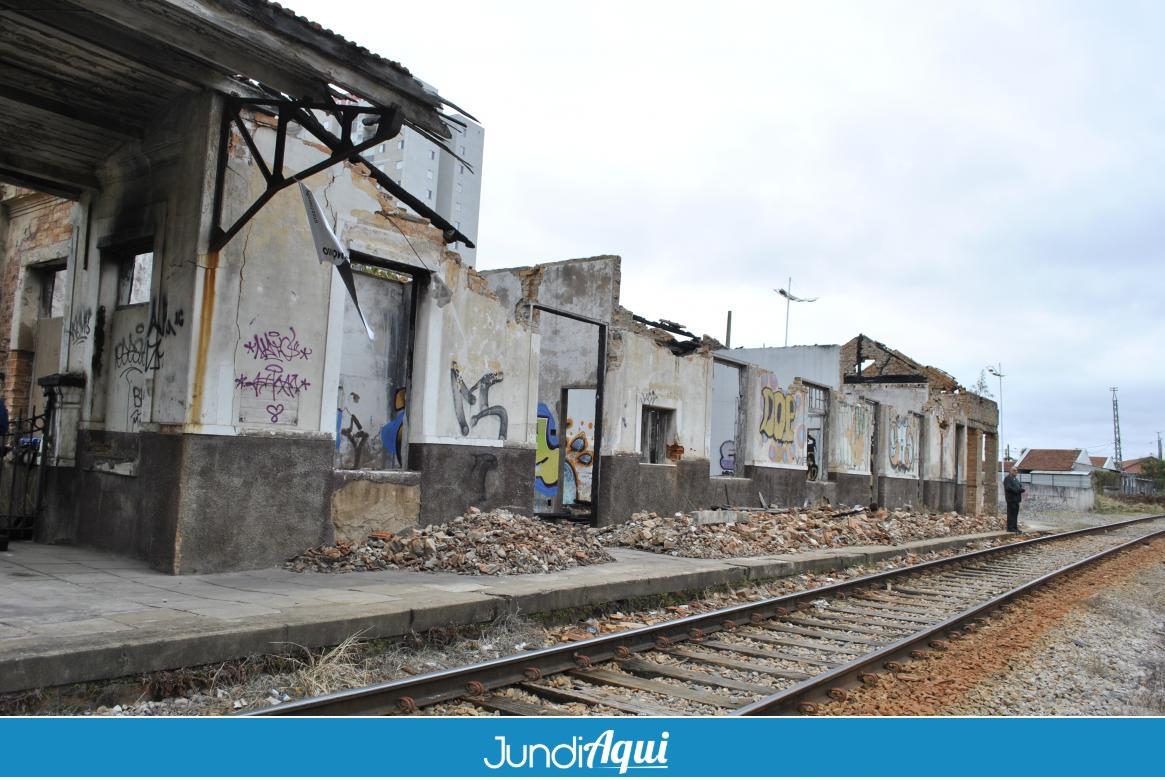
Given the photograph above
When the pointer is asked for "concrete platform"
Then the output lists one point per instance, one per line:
(70, 614)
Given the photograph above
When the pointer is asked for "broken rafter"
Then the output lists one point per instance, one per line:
(287, 112)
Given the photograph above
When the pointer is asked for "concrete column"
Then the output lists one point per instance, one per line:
(991, 475)
(70, 390)
(971, 496)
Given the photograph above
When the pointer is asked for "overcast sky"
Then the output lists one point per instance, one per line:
(969, 183)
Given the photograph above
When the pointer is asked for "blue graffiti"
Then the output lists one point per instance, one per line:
(392, 432)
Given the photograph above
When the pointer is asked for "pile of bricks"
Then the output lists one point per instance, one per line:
(746, 533)
(494, 542)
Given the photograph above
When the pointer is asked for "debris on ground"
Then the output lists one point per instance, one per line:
(493, 542)
(745, 533)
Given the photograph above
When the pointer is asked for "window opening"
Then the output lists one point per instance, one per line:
(134, 275)
(657, 424)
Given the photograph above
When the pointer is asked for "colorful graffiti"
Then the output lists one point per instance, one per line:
(782, 426)
(850, 446)
(580, 460)
(779, 416)
(392, 432)
(902, 444)
(468, 396)
(728, 458)
(547, 457)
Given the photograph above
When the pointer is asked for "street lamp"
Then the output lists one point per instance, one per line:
(997, 371)
(789, 298)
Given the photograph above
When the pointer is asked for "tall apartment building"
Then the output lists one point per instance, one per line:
(451, 187)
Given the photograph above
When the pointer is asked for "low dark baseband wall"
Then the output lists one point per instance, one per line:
(189, 503)
(896, 492)
(122, 496)
(455, 477)
(627, 486)
(939, 495)
(853, 489)
(252, 501)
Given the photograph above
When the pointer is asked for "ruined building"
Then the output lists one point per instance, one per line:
(201, 392)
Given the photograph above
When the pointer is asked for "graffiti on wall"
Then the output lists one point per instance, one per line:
(141, 350)
(476, 397)
(902, 444)
(274, 345)
(270, 392)
(392, 433)
(80, 326)
(851, 444)
(782, 425)
(546, 457)
(728, 458)
(580, 460)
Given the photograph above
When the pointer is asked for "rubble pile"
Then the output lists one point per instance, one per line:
(494, 542)
(747, 533)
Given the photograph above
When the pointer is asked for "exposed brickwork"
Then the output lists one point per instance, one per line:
(991, 481)
(35, 227)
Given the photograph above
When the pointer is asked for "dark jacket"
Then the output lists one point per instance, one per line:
(1012, 489)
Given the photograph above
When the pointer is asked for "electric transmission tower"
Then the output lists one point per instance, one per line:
(1116, 431)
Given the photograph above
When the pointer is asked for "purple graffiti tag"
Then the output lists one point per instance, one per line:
(273, 380)
(275, 410)
(275, 346)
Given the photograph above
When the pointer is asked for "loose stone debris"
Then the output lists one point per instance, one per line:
(494, 542)
(746, 533)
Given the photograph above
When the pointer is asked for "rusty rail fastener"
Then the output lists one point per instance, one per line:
(838, 694)
(622, 651)
(696, 634)
(582, 660)
(756, 618)
(729, 625)
(662, 641)
(475, 687)
(406, 704)
(807, 708)
(532, 673)
(868, 678)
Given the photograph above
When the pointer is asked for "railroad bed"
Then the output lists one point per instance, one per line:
(777, 656)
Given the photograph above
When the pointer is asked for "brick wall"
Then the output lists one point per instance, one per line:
(33, 228)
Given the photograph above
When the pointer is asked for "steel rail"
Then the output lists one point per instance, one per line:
(406, 695)
(799, 698)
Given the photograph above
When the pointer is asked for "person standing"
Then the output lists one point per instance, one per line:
(1013, 493)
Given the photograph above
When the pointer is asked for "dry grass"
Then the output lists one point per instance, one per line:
(328, 670)
(1107, 505)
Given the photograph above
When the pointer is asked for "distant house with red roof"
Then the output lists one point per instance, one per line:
(1055, 461)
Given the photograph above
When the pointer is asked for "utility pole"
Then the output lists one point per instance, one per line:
(1116, 432)
(728, 332)
(1159, 446)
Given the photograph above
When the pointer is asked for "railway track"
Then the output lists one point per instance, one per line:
(777, 656)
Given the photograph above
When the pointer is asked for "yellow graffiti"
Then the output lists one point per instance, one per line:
(547, 456)
(777, 422)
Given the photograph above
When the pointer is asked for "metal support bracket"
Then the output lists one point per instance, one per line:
(286, 112)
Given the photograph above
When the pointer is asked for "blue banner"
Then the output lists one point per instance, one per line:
(606, 747)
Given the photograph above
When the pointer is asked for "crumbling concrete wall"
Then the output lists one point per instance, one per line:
(567, 371)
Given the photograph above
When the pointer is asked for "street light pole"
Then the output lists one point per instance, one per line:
(998, 372)
(788, 302)
(787, 294)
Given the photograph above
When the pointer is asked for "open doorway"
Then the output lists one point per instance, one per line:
(571, 373)
(373, 392)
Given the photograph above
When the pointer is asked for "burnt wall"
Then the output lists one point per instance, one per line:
(455, 477)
